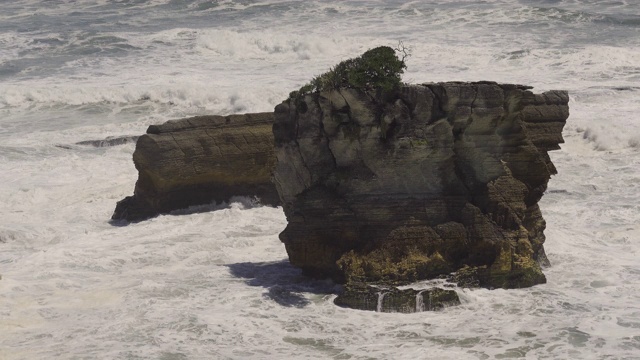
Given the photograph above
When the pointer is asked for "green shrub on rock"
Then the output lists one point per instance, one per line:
(379, 67)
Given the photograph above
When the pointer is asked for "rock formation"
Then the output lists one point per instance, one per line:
(199, 160)
(418, 182)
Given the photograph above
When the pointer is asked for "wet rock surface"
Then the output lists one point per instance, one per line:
(201, 160)
(418, 182)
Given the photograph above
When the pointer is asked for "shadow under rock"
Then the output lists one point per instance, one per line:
(285, 283)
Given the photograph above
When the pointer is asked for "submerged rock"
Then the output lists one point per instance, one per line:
(110, 141)
(199, 160)
(363, 297)
(410, 184)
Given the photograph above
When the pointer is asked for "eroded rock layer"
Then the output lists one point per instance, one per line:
(199, 160)
(420, 182)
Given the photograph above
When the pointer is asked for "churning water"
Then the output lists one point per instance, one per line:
(217, 285)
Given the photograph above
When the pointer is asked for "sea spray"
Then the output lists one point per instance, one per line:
(379, 306)
(420, 301)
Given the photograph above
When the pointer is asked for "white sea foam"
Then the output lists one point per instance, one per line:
(208, 284)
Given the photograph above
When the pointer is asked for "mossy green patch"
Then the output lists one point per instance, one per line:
(513, 267)
(412, 266)
(417, 142)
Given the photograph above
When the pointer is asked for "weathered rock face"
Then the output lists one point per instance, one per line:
(421, 182)
(198, 160)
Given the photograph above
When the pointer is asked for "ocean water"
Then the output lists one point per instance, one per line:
(217, 285)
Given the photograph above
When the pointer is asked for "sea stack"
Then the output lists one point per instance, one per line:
(419, 181)
(200, 160)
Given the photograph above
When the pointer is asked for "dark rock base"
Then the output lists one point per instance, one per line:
(363, 297)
